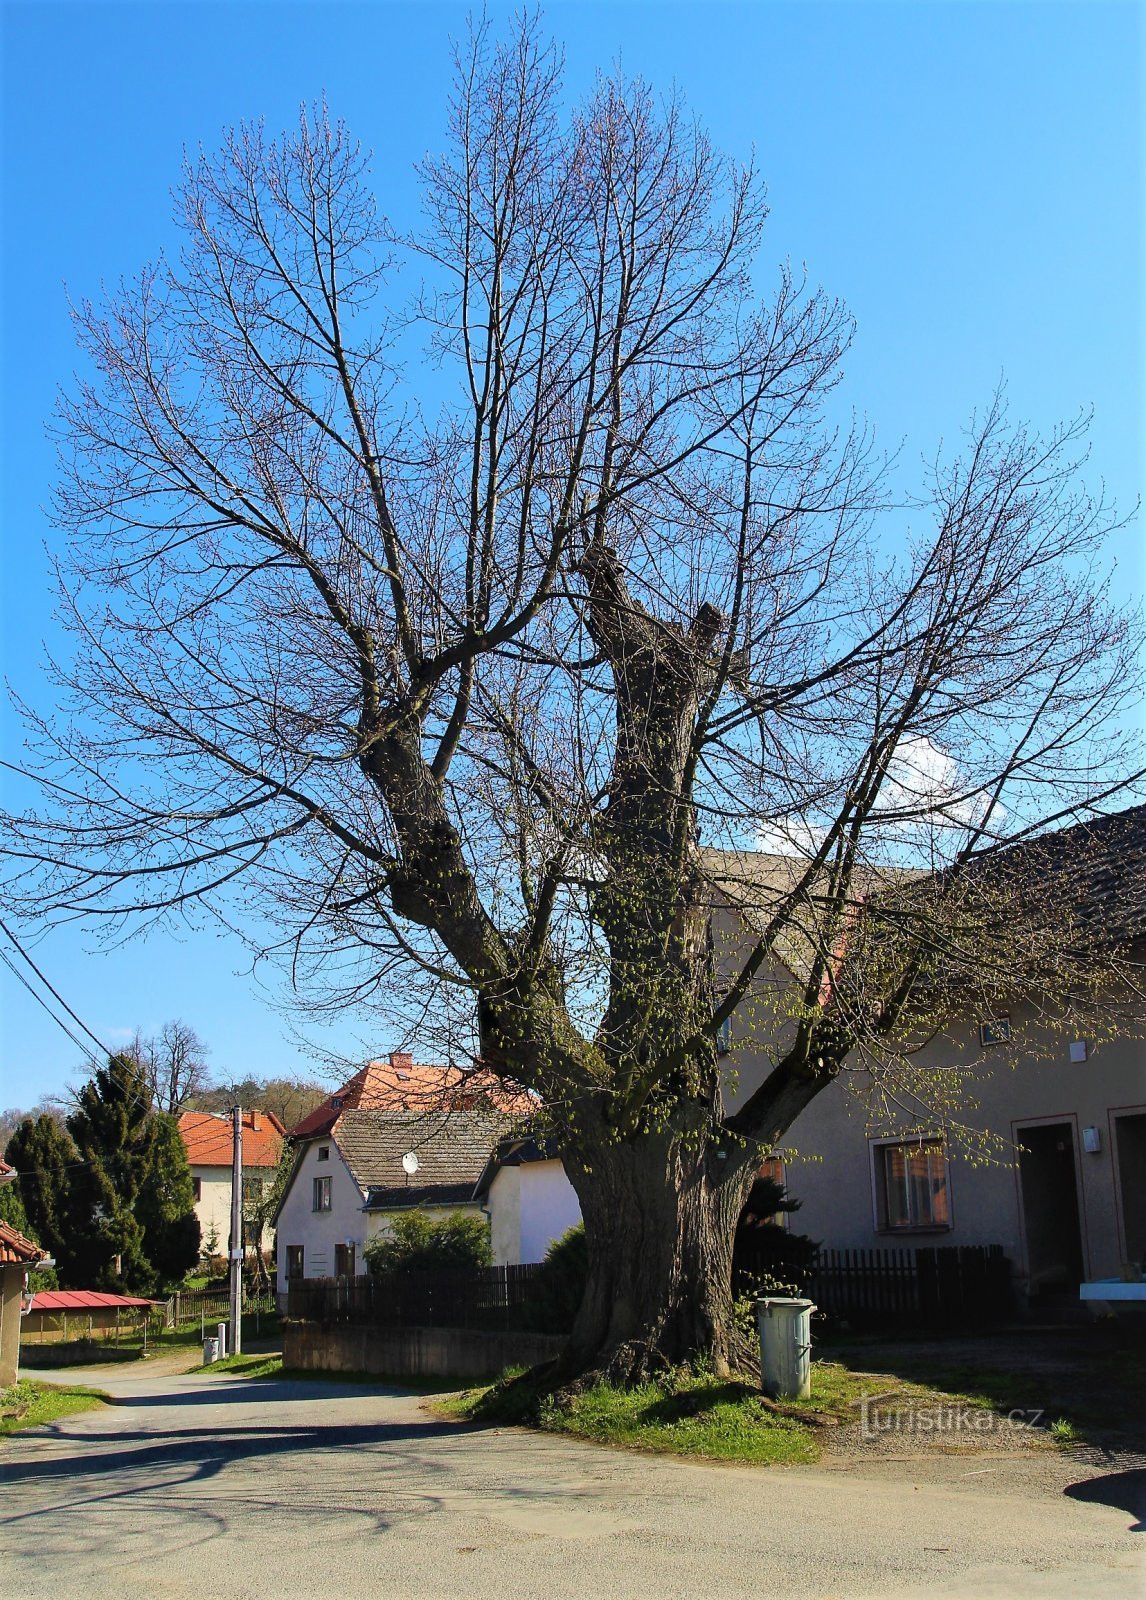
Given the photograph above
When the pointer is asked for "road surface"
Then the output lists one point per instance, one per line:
(208, 1485)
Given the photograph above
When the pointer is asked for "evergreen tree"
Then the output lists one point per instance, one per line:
(125, 1188)
(45, 1160)
(166, 1206)
(12, 1209)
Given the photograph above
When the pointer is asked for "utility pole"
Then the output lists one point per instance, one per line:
(236, 1231)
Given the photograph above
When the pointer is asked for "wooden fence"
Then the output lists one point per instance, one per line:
(490, 1298)
(951, 1286)
(963, 1286)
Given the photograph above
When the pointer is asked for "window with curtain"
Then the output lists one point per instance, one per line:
(912, 1183)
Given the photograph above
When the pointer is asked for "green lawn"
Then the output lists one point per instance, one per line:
(28, 1404)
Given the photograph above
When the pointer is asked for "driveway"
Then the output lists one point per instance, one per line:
(210, 1485)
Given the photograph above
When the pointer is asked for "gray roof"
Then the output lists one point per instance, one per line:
(452, 1149)
(1094, 871)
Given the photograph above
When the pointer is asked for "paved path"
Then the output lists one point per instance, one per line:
(206, 1485)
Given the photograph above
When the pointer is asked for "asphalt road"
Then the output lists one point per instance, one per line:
(231, 1489)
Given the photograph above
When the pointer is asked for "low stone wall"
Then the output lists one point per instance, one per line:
(412, 1352)
(79, 1353)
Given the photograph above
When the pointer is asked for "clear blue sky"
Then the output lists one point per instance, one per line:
(967, 176)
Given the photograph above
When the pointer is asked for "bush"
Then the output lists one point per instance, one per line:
(555, 1297)
(418, 1242)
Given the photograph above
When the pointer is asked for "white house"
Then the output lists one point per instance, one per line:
(207, 1137)
(361, 1157)
(528, 1199)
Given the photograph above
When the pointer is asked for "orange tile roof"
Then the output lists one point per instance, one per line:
(207, 1136)
(401, 1085)
(15, 1249)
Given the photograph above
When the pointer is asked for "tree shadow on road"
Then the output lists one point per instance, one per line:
(208, 1450)
(1125, 1491)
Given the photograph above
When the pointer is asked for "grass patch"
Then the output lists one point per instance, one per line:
(264, 1364)
(687, 1414)
(27, 1404)
(694, 1414)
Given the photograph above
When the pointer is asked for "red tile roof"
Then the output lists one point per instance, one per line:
(15, 1249)
(82, 1300)
(400, 1085)
(207, 1136)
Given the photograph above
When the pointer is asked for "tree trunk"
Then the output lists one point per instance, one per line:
(660, 1215)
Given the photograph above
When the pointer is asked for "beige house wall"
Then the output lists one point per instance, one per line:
(11, 1289)
(829, 1150)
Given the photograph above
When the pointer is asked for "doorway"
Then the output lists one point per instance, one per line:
(1130, 1138)
(1048, 1180)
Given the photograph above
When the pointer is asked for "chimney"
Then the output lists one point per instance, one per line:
(400, 1061)
(256, 1122)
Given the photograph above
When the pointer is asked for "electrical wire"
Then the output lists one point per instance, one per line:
(99, 1044)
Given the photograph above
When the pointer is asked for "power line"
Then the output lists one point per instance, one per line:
(39, 999)
(105, 1052)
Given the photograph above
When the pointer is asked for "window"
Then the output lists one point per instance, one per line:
(724, 1037)
(197, 1189)
(911, 1185)
(294, 1260)
(997, 1031)
(321, 1195)
(344, 1261)
(324, 1152)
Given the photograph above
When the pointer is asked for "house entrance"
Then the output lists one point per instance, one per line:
(1130, 1137)
(1047, 1177)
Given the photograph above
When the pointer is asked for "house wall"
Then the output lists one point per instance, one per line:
(549, 1207)
(529, 1206)
(319, 1231)
(503, 1206)
(213, 1208)
(831, 1169)
(11, 1289)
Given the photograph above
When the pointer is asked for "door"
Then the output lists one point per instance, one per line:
(1048, 1180)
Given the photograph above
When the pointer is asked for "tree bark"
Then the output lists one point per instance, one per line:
(660, 1212)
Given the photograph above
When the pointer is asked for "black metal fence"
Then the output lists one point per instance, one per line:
(488, 1298)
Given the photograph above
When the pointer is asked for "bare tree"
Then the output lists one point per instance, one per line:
(174, 1063)
(479, 640)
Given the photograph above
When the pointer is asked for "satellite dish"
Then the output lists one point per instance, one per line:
(409, 1163)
